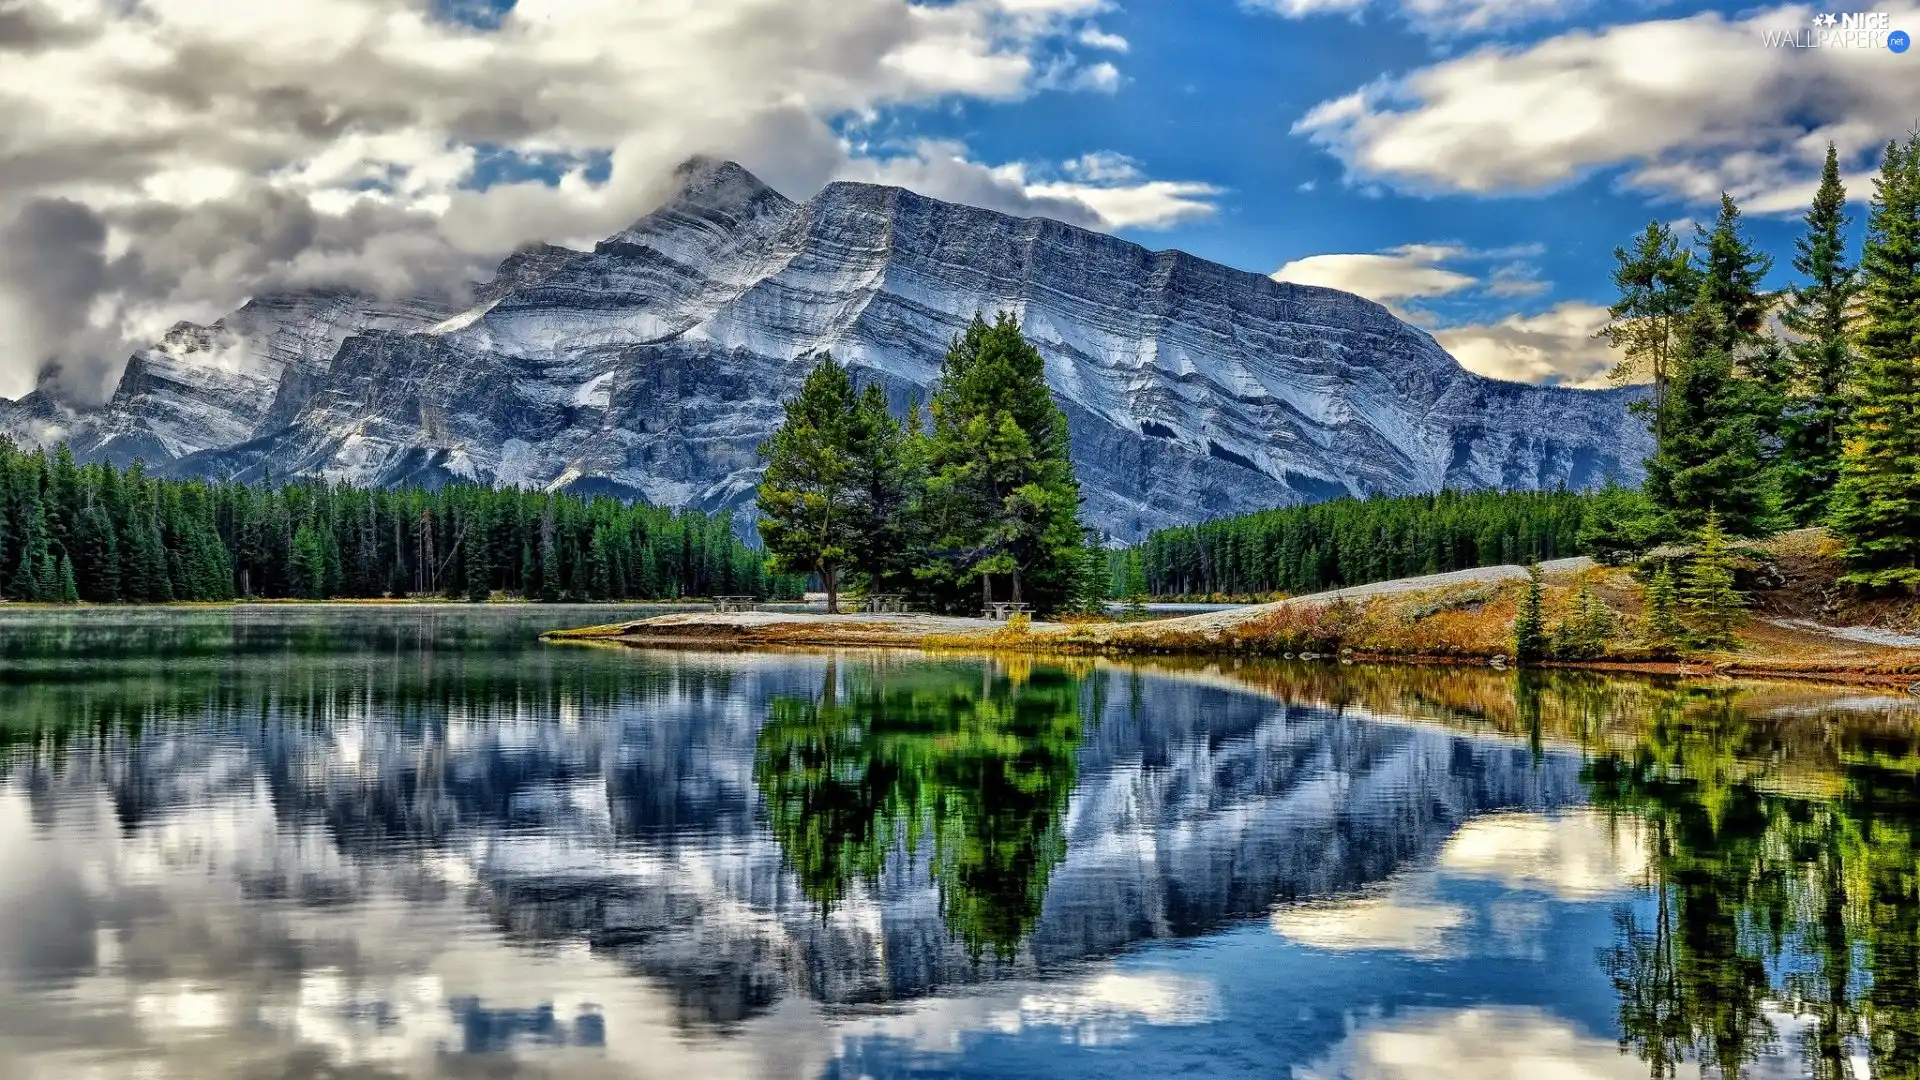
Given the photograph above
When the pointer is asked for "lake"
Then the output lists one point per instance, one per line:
(416, 842)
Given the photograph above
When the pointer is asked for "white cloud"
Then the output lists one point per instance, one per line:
(1556, 346)
(1403, 273)
(1095, 38)
(1096, 190)
(1577, 855)
(180, 155)
(1490, 1042)
(1102, 77)
(1392, 923)
(1414, 272)
(1688, 106)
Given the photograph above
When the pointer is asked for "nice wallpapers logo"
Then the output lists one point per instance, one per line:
(1849, 30)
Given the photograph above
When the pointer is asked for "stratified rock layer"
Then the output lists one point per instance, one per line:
(654, 366)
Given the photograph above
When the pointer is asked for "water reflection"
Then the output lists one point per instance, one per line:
(422, 846)
(971, 764)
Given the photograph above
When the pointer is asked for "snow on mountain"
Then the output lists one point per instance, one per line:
(654, 366)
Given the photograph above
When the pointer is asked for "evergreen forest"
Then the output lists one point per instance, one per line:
(1770, 410)
(100, 534)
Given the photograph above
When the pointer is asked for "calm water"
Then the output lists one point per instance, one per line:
(373, 844)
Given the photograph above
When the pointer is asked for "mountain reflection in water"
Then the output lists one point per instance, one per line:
(341, 842)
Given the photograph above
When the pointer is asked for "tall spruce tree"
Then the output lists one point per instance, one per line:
(1714, 607)
(1530, 624)
(1710, 457)
(1820, 317)
(807, 496)
(886, 477)
(1658, 284)
(1004, 501)
(1877, 502)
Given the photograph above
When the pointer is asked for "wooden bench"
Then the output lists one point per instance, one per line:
(724, 604)
(1001, 611)
(885, 603)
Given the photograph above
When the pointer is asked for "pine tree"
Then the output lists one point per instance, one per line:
(1587, 629)
(1003, 500)
(476, 553)
(1710, 456)
(1660, 625)
(1136, 588)
(310, 562)
(886, 477)
(1713, 607)
(1657, 284)
(1619, 525)
(1877, 502)
(1819, 315)
(806, 498)
(69, 590)
(1530, 625)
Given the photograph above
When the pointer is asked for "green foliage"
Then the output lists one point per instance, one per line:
(1660, 625)
(1620, 525)
(1001, 499)
(1710, 455)
(1712, 607)
(1587, 630)
(1135, 593)
(806, 498)
(1091, 580)
(1783, 856)
(1330, 545)
(1877, 503)
(1819, 315)
(982, 506)
(887, 475)
(973, 765)
(126, 536)
(1530, 624)
(1657, 283)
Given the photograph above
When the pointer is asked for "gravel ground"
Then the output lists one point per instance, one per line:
(1484, 575)
(1864, 635)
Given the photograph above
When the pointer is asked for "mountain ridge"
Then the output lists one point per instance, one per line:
(653, 365)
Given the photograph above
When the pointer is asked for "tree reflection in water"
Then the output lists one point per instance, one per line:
(1787, 884)
(972, 762)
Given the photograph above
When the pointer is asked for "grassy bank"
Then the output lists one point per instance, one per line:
(1801, 624)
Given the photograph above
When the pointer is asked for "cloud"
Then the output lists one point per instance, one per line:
(1095, 38)
(1437, 18)
(1411, 925)
(1100, 190)
(1577, 855)
(361, 142)
(1414, 272)
(1403, 273)
(1555, 346)
(1685, 107)
(1488, 1042)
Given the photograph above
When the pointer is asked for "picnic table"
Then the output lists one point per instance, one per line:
(724, 604)
(885, 603)
(1001, 611)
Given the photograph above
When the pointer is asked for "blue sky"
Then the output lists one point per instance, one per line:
(1470, 163)
(1216, 92)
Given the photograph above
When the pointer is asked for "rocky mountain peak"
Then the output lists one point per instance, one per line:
(653, 367)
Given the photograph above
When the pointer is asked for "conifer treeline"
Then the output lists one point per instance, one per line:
(1769, 410)
(100, 534)
(1302, 549)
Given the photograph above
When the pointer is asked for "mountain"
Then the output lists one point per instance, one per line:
(654, 365)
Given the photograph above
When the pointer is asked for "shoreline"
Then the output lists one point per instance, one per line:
(770, 631)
